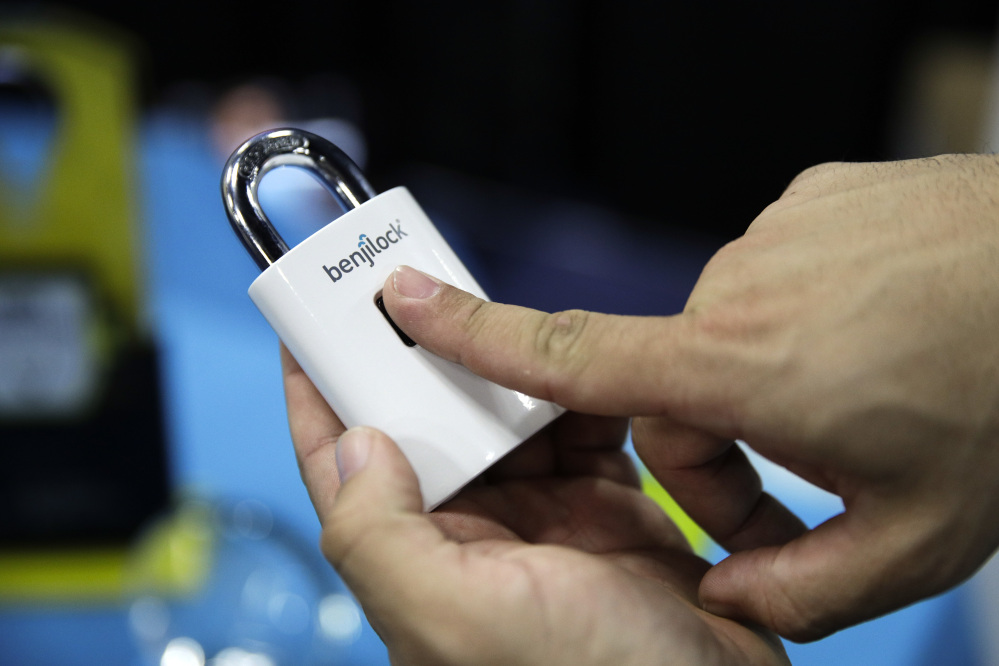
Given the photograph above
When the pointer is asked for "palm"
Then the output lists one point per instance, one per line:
(554, 555)
(564, 519)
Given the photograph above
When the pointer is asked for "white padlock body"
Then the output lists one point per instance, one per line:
(320, 299)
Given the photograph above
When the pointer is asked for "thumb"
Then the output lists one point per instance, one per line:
(835, 576)
(376, 534)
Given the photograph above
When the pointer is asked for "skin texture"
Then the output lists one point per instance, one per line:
(555, 557)
(850, 335)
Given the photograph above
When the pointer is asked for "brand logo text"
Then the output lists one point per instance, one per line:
(368, 249)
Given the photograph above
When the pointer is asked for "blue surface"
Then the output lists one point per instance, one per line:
(225, 405)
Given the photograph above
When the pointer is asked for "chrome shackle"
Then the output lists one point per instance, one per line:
(284, 147)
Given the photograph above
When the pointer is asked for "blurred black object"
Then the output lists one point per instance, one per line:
(687, 113)
(96, 480)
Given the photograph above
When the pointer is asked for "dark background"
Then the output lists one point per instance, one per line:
(691, 115)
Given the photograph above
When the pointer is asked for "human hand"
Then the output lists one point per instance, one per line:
(852, 336)
(554, 557)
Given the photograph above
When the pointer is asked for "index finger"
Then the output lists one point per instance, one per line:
(314, 432)
(588, 362)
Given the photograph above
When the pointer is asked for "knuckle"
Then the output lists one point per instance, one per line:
(556, 344)
(727, 274)
(349, 531)
(558, 335)
(816, 173)
(719, 327)
(463, 326)
(800, 630)
(332, 542)
(795, 620)
(347, 541)
(479, 329)
(309, 453)
(476, 319)
(336, 550)
(727, 258)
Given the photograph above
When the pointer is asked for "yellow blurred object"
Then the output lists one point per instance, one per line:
(82, 217)
(700, 541)
(173, 559)
(67, 576)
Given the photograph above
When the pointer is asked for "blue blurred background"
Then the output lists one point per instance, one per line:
(574, 156)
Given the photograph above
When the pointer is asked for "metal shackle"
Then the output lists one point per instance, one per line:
(284, 147)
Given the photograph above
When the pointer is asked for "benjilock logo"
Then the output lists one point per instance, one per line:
(368, 248)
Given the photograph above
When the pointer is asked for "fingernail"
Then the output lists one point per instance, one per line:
(352, 451)
(411, 283)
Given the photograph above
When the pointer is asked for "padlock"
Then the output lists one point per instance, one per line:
(323, 299)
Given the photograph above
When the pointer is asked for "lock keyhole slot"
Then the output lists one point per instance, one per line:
(380, 304)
